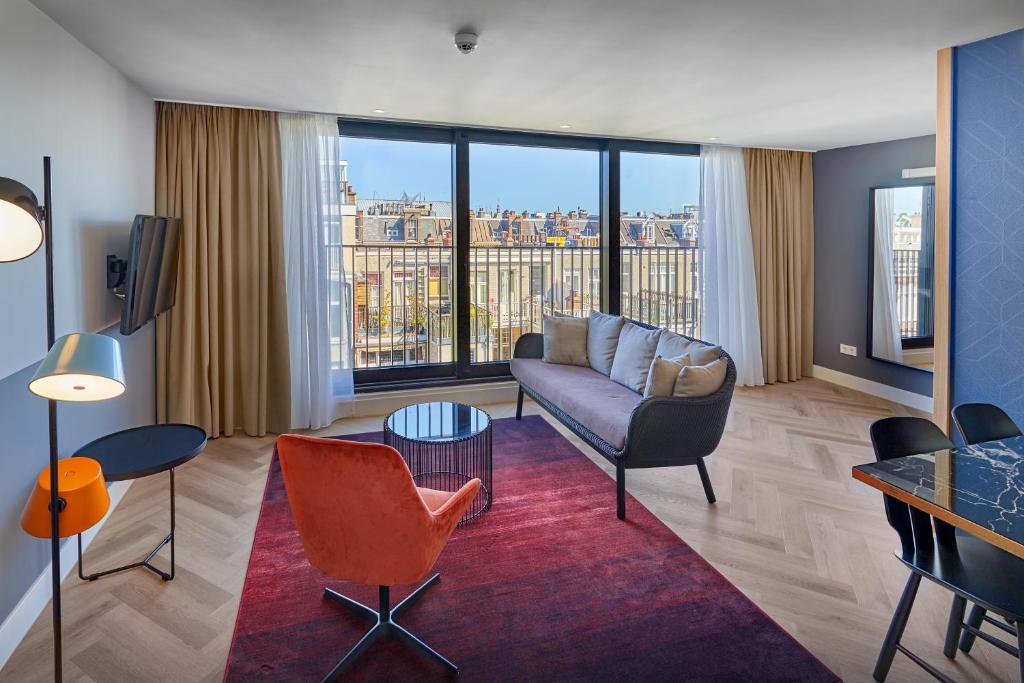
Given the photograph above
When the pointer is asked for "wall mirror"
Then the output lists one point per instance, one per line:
(901, 277)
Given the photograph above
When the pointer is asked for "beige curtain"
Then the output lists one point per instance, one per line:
(781, 198)
(222, 351)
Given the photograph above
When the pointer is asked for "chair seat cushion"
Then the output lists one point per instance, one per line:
(434, 498)
(596, 402)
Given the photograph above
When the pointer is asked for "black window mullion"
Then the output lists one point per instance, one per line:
(461, 225)
(611, 203)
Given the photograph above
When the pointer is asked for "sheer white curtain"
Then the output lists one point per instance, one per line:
(310, 176)
(885, 322)
(730, 315)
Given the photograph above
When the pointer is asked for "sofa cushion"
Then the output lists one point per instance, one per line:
(596, 402)
(701, 380)
(634, 355)
(661, 380)
(672, 345)
(565, 340)
(602, 339)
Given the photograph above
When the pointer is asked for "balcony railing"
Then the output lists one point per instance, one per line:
(661, 286)
(402, 298)
(913, 296)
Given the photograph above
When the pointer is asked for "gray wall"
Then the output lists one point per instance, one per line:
(61, 99)
(842, 178)
(25, 450)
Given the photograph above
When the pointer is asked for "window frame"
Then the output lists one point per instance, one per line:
(459, 138)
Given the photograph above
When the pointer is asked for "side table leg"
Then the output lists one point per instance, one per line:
(169, 578)
(81, 575)
(168, 539)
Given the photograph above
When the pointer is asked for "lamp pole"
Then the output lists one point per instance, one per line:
(92, 363)
(55, 501)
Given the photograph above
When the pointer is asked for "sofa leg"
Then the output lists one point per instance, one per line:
(620, 489)
(519, 404)
(706, 481)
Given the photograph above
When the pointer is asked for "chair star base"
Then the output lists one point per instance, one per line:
(385, 627)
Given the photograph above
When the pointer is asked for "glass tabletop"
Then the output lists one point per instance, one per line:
(440, 421)
(983, 483)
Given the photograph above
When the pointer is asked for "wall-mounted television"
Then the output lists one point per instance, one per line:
(151, 272)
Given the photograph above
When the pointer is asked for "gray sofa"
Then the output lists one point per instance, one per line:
(628, 430)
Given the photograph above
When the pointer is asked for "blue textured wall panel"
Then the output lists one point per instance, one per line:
(988, 223)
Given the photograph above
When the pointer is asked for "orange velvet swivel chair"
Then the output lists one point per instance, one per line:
(361, 518)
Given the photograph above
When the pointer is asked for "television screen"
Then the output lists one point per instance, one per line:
(152, 271)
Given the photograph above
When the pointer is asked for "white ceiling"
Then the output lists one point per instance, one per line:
(803, 74)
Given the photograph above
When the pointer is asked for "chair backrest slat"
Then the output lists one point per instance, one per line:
(896, 437)
(980, 422)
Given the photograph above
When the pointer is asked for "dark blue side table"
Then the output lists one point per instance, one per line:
(141, 452)
(445, 445)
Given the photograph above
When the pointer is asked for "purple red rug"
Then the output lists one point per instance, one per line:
(547, 585)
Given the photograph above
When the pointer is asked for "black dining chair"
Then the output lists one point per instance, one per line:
(978, 423)
(933, 549)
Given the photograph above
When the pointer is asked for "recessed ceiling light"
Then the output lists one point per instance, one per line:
(713, 138)
(564, 126)
(378, 111)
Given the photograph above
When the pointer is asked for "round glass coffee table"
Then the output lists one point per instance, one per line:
(445, 445)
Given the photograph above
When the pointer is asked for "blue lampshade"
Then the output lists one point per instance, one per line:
(80, 367)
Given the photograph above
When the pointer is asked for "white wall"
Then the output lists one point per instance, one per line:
(59, 98)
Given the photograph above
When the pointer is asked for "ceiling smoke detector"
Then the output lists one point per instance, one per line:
(465, 41)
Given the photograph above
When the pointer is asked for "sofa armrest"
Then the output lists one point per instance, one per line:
(670, 430)
(529, 345)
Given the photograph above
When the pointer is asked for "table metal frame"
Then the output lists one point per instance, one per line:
(444, 457)
(145, 562)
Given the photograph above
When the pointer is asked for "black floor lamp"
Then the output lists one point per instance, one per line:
(78, 367)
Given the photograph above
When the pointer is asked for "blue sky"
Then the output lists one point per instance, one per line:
(906, 200)
(520, 178)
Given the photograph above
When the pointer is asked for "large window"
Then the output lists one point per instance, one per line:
(659, 246)
(535, 241)
(397, 236)
(456, 242)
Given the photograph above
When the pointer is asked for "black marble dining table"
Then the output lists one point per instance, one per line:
(978, 488)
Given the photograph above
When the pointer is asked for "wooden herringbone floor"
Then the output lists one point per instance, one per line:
(791, 529)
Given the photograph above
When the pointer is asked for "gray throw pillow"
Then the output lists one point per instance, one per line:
(661, 380)
(633, 356)
(565, 340)
(702, 354)
(672, 345)
(602, 340)
(700, 380)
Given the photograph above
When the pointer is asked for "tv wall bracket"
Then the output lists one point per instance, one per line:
(117, 271)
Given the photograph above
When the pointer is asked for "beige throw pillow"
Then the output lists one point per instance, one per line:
(700, 380)
(661, 380)
(565, 340)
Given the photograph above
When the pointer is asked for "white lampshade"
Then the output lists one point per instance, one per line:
(20, 218)
(80, 367)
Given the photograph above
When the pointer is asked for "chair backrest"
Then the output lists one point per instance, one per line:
(980, 422)
(357, 509)
(896, 437)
